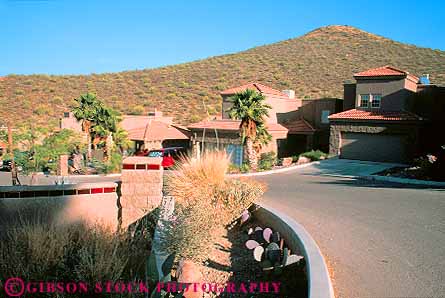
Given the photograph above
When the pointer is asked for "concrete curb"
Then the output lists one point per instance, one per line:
(282, 170)
(298, 239)
(167, 207)
(403, 181)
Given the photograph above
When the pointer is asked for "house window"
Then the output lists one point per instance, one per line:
(324, 116)
(364, 100)
(376, 99)
(66, 114)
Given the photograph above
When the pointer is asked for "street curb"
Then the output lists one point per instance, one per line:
(298, 239)
(403, 181)
(282, 170)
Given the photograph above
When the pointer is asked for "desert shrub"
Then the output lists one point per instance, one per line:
(267, 161)
(137, 110)
(314, 155)
(205, 200)
(233, 168)
(245, 167)
(38, 250)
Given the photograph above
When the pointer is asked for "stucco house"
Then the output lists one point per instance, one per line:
(152, 131)
(295, 125)
(382, 120)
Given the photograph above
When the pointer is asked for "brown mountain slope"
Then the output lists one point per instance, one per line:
(314, 65)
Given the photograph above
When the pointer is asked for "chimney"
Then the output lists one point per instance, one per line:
(290, 93)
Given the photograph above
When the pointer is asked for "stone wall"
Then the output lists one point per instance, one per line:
(141, 189)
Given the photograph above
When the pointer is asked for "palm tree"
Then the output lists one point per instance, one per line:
(250, 108)
(263, 137)
(98, 121)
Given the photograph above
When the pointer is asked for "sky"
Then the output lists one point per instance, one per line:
(97, 36)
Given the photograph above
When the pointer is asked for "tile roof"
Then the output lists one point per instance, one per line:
(381, 71)
(157, 130)
(227, 124)
(137, 121)
(263, 89)
(356, 114)
(385, 71)
(299, 126)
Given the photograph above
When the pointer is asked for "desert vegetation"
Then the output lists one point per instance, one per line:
(37, 250)
(315, 65)
(205, 201)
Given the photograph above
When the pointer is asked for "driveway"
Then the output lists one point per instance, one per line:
(380, 240)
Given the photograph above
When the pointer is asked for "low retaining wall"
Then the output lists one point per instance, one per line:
(299, 240)
(90, 203)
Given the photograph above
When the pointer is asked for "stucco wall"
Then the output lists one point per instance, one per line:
(395, 92)
(278, 104)
(99, 208)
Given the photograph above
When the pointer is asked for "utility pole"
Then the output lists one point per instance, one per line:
(14, 174)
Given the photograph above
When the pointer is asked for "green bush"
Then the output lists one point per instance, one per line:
(314, 155)
(245, 167)
(295, 158)
(267, 161)
(112, 165)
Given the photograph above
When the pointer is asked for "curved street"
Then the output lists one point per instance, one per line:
(380, 240)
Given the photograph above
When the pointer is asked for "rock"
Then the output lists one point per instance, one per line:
(286, 161)
(302, 160)
(188, 272)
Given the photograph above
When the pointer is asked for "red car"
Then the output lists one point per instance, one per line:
(169, 155)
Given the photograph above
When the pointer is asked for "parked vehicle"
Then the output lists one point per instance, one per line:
(6, 166)
(169, 155)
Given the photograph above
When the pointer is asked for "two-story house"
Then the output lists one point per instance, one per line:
(223, 134)
(379, 123)
(295, 125)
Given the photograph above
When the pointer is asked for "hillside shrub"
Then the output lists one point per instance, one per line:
(137, 110)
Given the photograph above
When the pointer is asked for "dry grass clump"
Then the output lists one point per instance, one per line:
(205, 200)
(42, 251)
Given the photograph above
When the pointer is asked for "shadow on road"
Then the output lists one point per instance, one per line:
(357, 182)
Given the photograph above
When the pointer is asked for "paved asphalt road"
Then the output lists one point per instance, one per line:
(380, 240)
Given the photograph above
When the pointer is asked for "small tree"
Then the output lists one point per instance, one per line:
(249, 106)
(98, 121)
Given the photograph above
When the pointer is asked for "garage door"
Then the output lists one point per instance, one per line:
(373, 147)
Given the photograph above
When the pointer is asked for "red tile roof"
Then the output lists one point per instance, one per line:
(381, 71)
(299, 126)
(232, 125)
(385, 71)
(263, 89)
(356, 114)
(158, 131)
